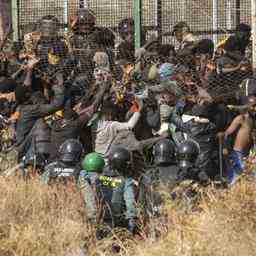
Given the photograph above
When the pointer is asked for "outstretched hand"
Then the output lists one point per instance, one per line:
(32, 63)
(139, 103)
(59, 78)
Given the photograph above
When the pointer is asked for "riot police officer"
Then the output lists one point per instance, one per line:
(118, 189)
(165, 170)
(89, 185)
(36, 146)
(202, 129)
(126, 49)
(158, 181)
(50, 48)
(115, 189)
(182, 33)
(188, 152)
(68, 165)
(82, 43)
(83, 28)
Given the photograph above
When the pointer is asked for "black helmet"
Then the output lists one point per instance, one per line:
(188, 152)
(22, 94)
(49, 26)
(86, 16)
(126, 26)
(70, 151)
(181, 26)
(204, 111)
(164, 152)
(244, 28)
(119, 158)
(204, 46)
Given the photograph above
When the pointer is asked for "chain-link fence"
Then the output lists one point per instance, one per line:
(208, 19)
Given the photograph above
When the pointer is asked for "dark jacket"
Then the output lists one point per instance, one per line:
(205, 135)
(59, 170)
(157, 182)
(37, 143)
(69, 128)
(30, 113)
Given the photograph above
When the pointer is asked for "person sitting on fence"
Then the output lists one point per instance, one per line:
(83, 28)
(185, 38)
(242, 126)
(126, 49)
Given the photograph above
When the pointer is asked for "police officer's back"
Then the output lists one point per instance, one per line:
(188, 152)
(108, 194)
(118, 189)
(89, 185)
(164, 171)
(67, 166)
(158, 181)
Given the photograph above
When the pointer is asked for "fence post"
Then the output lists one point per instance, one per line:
(81, 3)
(253, 4)
(15, 20)
(65, 14)
(137, 20)
(215, 21)
(84, 3)
(229, 15)
(238, 11)
(159, 18)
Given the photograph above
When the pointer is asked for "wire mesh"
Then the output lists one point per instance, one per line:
(210, 19)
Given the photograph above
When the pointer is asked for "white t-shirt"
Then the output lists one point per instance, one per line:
(106, 131)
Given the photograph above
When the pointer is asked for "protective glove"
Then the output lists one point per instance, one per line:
(180, 107)
(135, 107)
(131, 225)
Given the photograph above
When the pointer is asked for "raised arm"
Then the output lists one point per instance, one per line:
(86, 114)
(57, 101)
(236, 123)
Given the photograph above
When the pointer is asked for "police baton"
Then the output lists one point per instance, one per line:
(221, 157)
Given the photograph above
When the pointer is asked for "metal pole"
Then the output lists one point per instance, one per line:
(215, 20)
(253, 4)
(229, 15)
(85, 4)
(137, 20)
(183, 10)
(238, 12)
(15, 20)
(65, 14)
(221, 158)
(81, 3)
(159, 18)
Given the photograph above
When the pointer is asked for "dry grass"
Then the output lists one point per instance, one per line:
(40, 220)
(225, 225)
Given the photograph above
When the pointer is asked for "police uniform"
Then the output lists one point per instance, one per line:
(155, 187)
(110, 196)
(68, 165)
(155, 183)
(60, 171)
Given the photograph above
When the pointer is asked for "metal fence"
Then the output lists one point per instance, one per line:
(211, 18)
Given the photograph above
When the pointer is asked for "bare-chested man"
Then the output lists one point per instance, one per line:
(243, 126)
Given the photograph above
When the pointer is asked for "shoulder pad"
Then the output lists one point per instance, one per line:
(147, 177)
(51, 166)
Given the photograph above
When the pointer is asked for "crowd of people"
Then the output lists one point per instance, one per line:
(122, 123)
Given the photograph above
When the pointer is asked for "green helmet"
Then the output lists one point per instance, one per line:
(93, 162)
